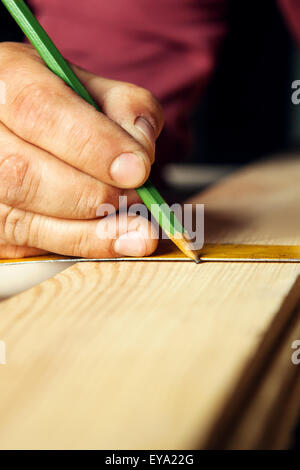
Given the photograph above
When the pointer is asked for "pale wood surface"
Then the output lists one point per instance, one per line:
(150, 355)
(275, 398)
(259, 205)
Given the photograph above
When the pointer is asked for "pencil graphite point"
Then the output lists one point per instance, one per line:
(185, 246)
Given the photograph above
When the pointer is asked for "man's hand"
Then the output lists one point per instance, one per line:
(60, 159)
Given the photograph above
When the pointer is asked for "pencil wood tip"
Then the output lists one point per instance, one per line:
(185, 246)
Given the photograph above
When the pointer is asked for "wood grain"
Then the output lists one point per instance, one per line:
(143, 355)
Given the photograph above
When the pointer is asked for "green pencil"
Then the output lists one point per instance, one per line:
(57, 64)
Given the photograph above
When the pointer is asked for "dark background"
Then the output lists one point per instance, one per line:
(246, 112)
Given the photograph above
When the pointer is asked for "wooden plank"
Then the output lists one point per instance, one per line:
(265, 405)
(275, 399)
(257, 205)
(149, 355)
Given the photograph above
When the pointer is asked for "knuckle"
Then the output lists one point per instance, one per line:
(84, 140)
(11, 251)
(109, 198)
(15, 225)
(89, 200)
(6, 251)
(18, 186)
(80, 245)
(30, 101)
(33, 109)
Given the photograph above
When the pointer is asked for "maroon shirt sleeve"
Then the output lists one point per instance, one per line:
(166, 46)
(291, 11)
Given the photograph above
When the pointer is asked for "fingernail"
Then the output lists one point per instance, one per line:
(130, 244)
(128, 170)
(144, 126)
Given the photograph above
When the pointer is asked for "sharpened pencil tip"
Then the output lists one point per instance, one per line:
(196, 258)
(185, 246)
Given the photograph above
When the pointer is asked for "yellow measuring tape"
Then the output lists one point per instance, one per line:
(210, 252)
